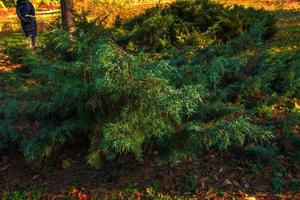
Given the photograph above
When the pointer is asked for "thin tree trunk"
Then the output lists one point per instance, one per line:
(67, 14)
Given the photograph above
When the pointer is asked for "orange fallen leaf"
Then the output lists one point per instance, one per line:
(74, 190)
(138, 194)
(82, 196)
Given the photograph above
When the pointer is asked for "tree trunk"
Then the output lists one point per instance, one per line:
(67, 14)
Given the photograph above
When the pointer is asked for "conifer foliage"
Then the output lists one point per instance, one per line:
(191, 23)
(90, 88)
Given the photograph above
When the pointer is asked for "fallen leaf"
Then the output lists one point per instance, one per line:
(138, 195)
(82, 196)
(250, 198)
(74, 191)
(236, 183)
(4, 168)
(227, 182)
(246, 185)
(66, 164)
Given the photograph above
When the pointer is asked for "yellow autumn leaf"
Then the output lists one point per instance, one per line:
(297, 105)
(66, 163)
(250, 198)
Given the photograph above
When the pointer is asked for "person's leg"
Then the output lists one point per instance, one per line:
(30, 39)
(33, 40)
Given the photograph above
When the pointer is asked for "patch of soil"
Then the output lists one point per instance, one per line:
(218, 171)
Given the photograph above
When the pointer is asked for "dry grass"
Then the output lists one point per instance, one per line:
(11, 24)
(266, 4)
(129, 10)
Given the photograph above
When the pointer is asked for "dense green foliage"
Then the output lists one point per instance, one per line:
(196, 23)
(186, 99)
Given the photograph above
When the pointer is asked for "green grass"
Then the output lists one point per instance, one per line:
(288, 38)
(33, 193)
(11, 38)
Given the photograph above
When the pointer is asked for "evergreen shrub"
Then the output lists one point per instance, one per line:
(87, 87)
(193, 22)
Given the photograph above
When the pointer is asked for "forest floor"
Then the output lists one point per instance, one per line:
(213, 175)
(6, 64)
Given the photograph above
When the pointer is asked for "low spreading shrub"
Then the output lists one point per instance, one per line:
(191, 23)
(87, 87)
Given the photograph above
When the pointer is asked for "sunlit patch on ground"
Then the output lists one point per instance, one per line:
(278, 50)
(6, 65)
(11, 24)
(266, 4)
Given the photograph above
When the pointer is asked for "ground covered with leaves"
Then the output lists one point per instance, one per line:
(193, 100)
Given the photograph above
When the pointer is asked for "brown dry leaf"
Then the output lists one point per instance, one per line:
(4, 168)
(227, 182)
(236, 183)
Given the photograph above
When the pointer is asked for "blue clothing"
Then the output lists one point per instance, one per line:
(29, 26)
